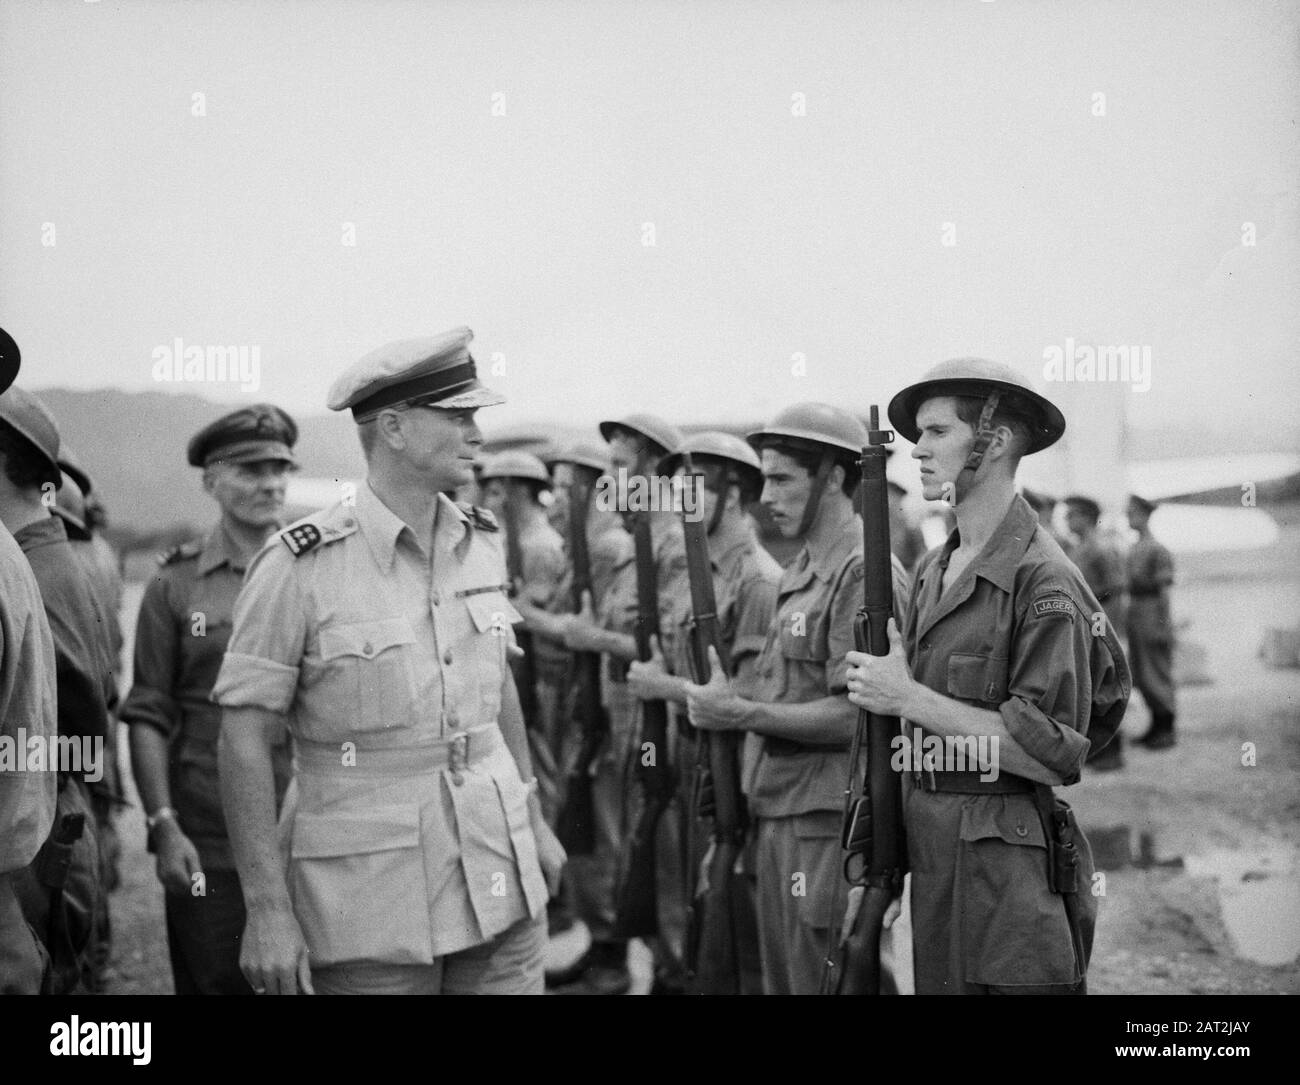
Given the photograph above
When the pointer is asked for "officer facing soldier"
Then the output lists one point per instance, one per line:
(416, 856)
(181, 635)
(1003, 640)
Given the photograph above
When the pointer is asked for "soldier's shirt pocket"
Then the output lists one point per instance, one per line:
(367, 673)
(1014, 929)
(493, 617)
(358, 885)
(978, 678)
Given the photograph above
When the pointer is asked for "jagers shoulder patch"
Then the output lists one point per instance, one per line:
(1053, 604)
(301, 538)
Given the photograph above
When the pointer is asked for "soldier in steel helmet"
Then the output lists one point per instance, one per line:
(636, 444)
(245, 457)
(1003, 641)
(511, 484)
(415, 856)
(746, 576)
(801, 724)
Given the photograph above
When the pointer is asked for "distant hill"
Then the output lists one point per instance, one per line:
(133, 446)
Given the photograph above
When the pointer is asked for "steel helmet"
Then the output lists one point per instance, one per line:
(664, 434)
(715, 443)
(817, 422)
(514, 465)
(32, 420)
(10, 359)
(584, 454)
(978, 377)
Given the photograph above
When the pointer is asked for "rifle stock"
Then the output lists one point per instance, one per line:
(873, 853)
(524, 668)
(576, 824)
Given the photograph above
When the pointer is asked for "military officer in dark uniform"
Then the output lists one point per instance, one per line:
(181, 636)
(999, 644)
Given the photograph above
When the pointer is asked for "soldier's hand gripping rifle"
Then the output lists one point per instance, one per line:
(576, 826)
(637, 913)
(874, 857)
(722, 936)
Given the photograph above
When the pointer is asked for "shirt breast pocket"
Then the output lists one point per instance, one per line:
(492, 616)
(367, 672)
(977, 679)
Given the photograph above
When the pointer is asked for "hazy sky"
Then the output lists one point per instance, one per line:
(798, 163)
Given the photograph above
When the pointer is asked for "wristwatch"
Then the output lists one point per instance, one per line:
(152, 821)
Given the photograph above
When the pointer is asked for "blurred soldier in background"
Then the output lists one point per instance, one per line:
(27, 712)
(180, 638)
(62, 897)
(511, 484)
(1150, 626)
(1102, 566)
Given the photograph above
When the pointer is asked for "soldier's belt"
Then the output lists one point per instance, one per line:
(775, 746)
(455, 752)
(969, 783)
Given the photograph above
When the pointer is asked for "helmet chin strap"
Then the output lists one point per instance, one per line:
(984, 434)
(815, 494)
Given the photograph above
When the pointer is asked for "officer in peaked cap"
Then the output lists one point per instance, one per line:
(798, 723)
(246, 456)
(416, 856)
(1003, 639)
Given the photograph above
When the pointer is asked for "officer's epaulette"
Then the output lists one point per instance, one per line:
(483, 518)
(316, 530)
(181, 552)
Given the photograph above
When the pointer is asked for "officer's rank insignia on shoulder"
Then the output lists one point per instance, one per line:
(1046, 605)
(180, 552)
(301, 538)
(483, 518)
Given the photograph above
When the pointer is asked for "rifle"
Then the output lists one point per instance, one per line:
(722, 935)
(873, 855)
(525, 668)
(576, 825)
(637, 913)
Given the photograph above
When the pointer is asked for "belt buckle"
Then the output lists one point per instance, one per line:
(458, 755)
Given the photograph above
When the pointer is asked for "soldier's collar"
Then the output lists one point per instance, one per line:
(826, 560)
(382, 527)
(219, 549)
(998, 561)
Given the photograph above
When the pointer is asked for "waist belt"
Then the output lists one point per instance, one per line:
(1144, 593)
(774, 746)
(456, 750)
(969, 783)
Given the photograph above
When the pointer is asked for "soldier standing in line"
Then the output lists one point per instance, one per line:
(27, 711)
(1000, 643)
(415, 857)
(802, 722)
(1150, 626)
(746, 576)
(180, 638)
(29, 482)
(635, 439)
(511, 484)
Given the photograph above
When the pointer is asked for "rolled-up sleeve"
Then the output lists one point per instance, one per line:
(1050, 684)
(260, 668)
(156, 660)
